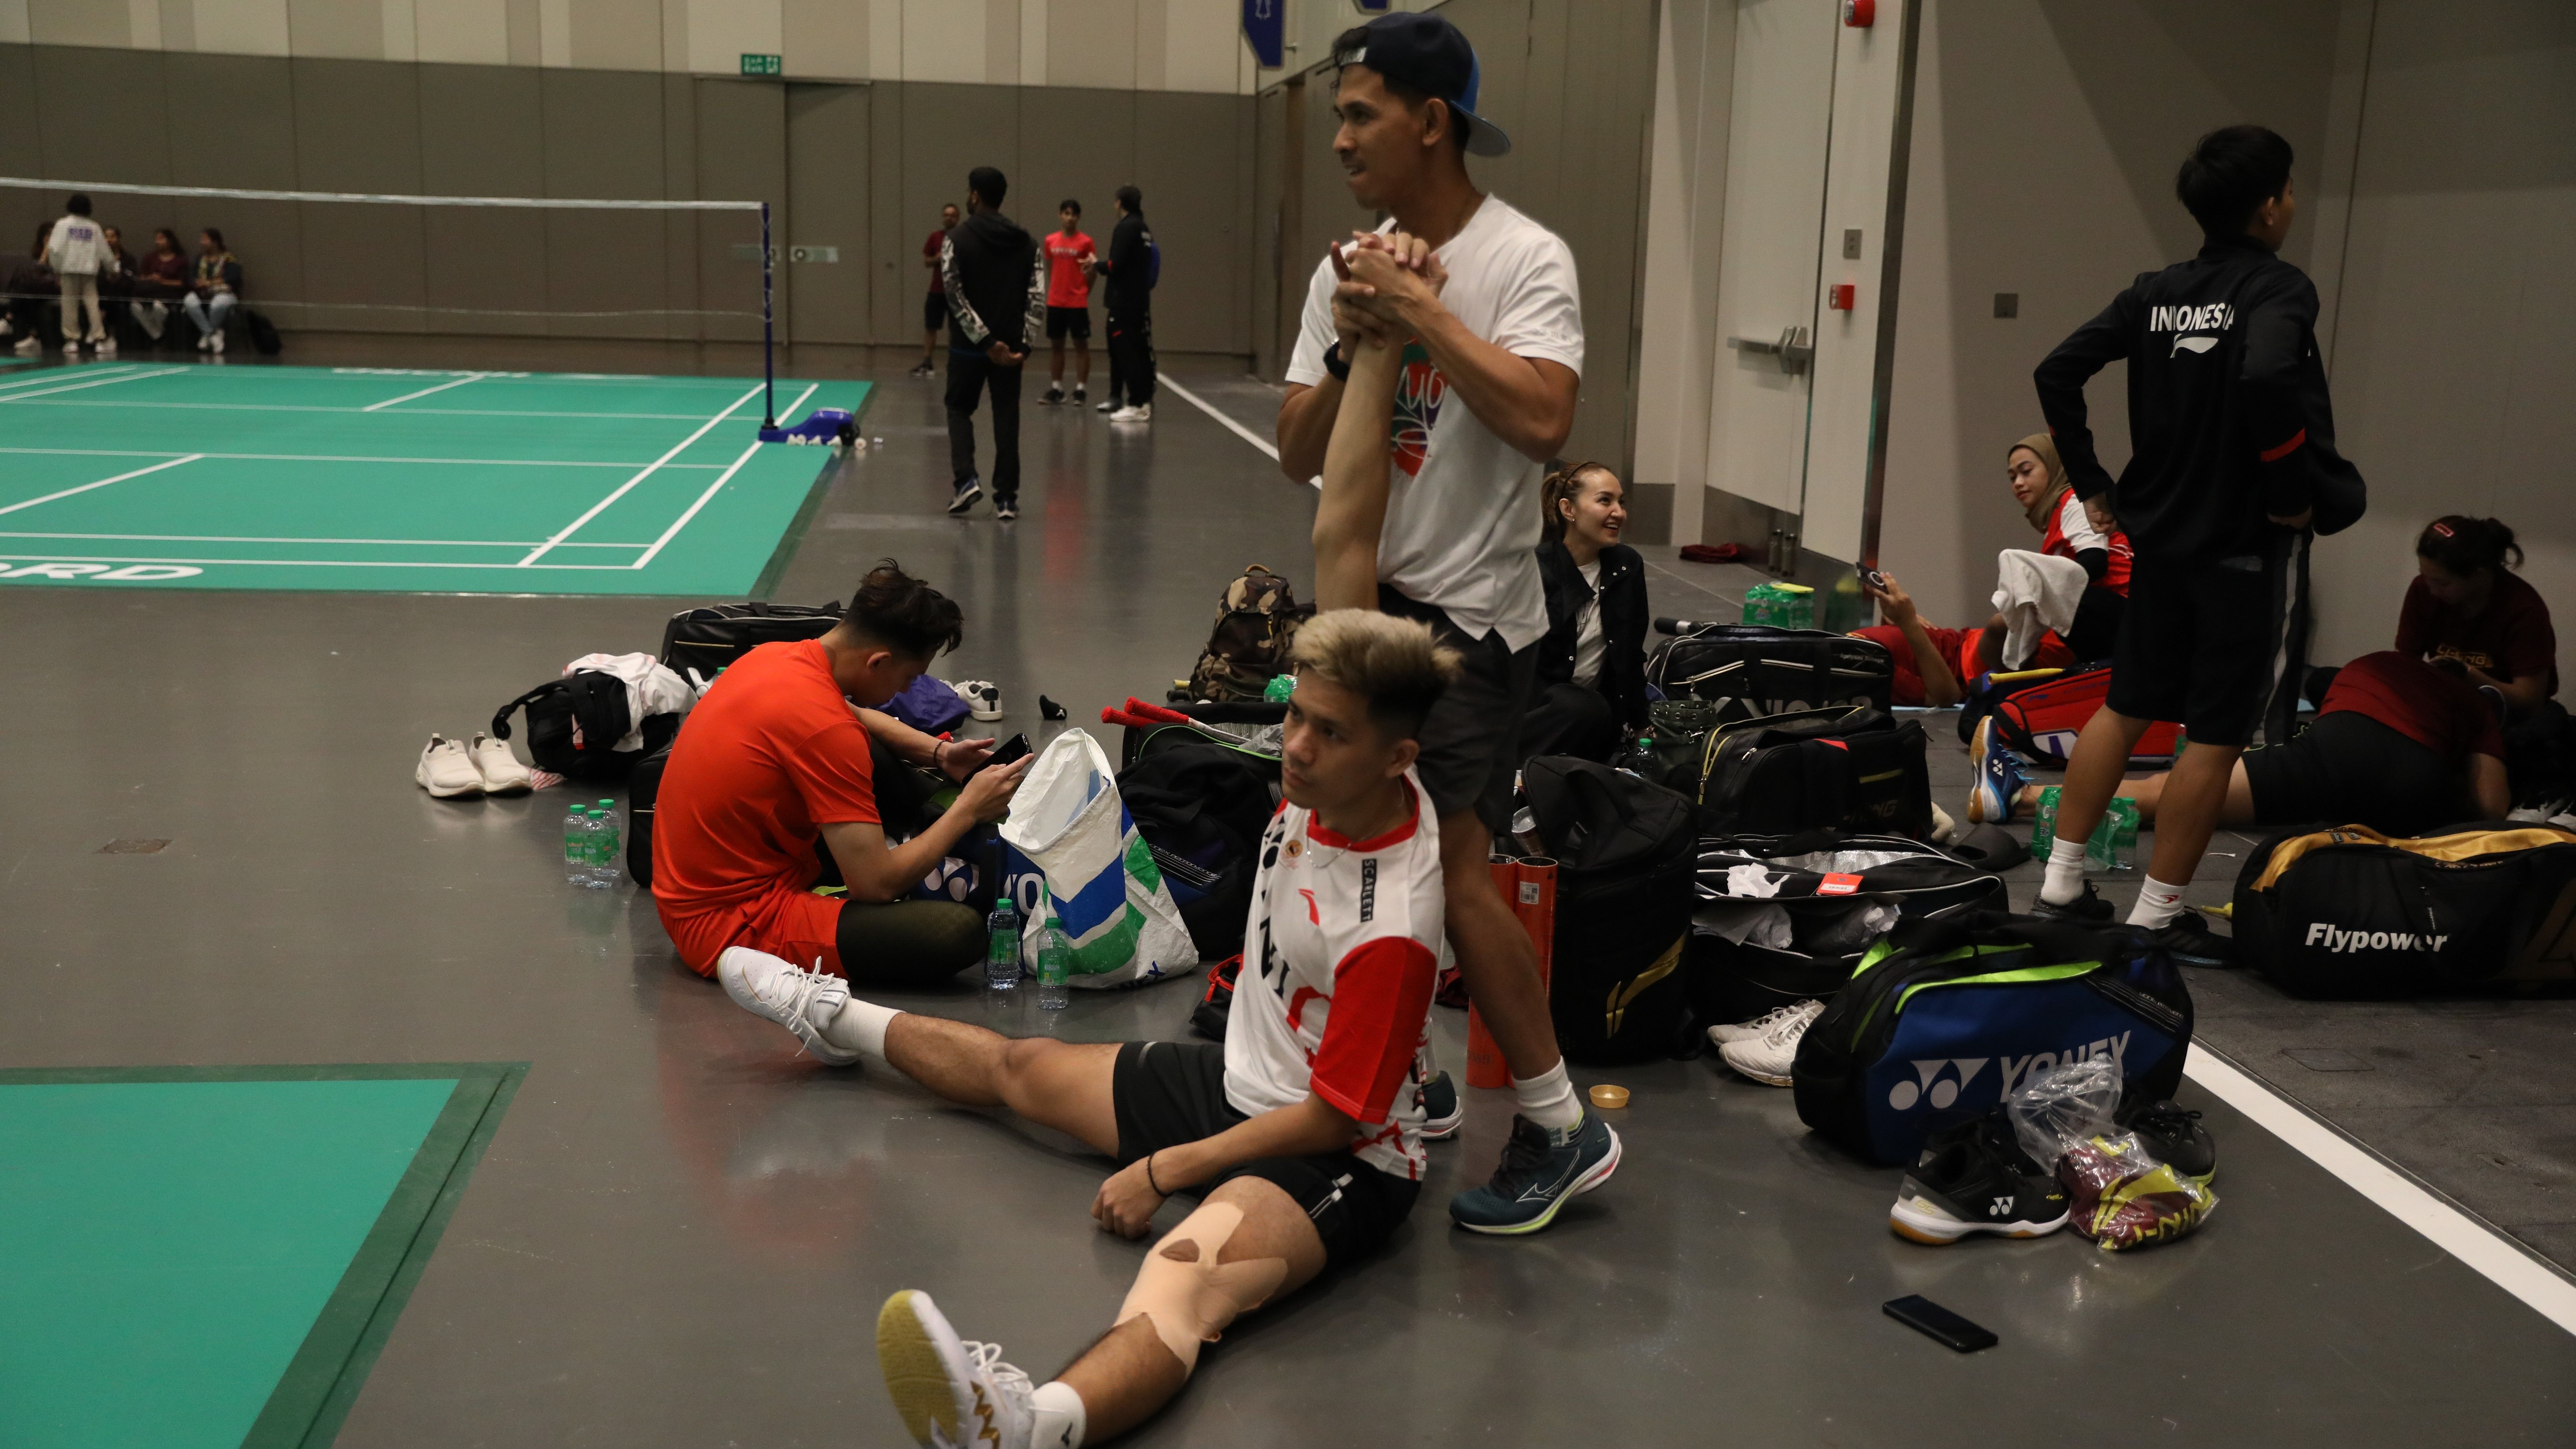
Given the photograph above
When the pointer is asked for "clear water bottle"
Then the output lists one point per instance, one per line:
(596, 832)
(1055, 968)
(1002, 947)
(577, 846)
(608, 865)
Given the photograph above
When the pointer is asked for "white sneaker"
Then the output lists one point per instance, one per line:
(501, 771)
(1760, 1026)
(1140, 413)
(70, 348)
(951, 1392)
(797, 999)
(983, 698)
(107, 348)
(218, 340)
(445, 771)
(1767, 1058)
(206, 342)
(26, 347)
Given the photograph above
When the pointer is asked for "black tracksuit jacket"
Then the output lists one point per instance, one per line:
(2229, 420)
(997, 284)
(1130, 267)
(1623, 624)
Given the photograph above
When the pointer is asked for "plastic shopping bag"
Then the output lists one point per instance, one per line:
(1100, 881)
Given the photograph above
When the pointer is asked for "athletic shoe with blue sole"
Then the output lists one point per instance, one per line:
(1999, 777)
(1540, 1173)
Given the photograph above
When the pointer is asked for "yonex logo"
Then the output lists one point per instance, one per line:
(1941, 1081)
(2002, 1206)
(1941, 1093)
(2337, 939)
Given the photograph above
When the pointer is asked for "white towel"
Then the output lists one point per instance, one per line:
(2035, 592)
(650, 689)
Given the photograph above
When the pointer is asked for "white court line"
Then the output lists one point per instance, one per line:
(101, 483)
(683, 520)
(55, 374)
(424, 392)
(312, 408)
(251, 538)
(344, 458)
(1238, 429)
(569, 529)
(309, 563)
(2483, 1249)
(97, 382)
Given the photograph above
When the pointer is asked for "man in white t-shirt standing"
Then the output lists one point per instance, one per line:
(1486, 394)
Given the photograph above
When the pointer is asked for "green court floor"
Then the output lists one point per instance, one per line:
(199, 1258)
(187, 475)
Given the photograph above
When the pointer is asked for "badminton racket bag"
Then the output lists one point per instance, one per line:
(2042, 719)
(1785, 919)
(2349, 912)
(1625, 850)
(1855, 769)
(699, 643)
(643, 791)
(1201, 812)
(1945, 1017)
(575, 724)
(1751, 671)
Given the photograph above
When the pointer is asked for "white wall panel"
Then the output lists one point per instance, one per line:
(464, 32)
(15, 26)
(1201, 45)
(243, 27)
(943, 40)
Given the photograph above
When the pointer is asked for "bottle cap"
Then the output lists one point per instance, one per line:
(1003, 904)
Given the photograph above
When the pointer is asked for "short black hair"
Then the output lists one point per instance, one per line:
(2231, 173)
(1132, 199)
(904, 614)
(989, 183)
(1357, 38)
(1069, 204)
(78, 205)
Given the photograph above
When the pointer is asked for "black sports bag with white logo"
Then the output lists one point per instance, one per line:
(1860, 770)
(1751, 670)
(2349, 912)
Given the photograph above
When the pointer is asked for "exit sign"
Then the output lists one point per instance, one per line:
(760, 64)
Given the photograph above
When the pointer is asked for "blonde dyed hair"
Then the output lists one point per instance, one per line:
(1394, 664)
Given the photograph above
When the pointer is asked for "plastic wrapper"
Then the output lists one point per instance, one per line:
(2058, 1111)
(2121, 1197)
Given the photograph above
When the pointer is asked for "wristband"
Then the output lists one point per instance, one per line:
(1149, 1177)
(1336, 364)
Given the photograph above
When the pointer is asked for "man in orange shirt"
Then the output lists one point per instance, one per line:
(787, 751)
(1070, 257)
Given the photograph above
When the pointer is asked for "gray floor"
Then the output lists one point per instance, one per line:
(682, 1231)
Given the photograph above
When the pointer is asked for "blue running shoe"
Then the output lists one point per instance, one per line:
(1541, 1171)
(969, 488)
(1999, 777)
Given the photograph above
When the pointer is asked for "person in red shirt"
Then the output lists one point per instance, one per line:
(786, 751)
(2465, 611)
(934, 308)
(1070, 260)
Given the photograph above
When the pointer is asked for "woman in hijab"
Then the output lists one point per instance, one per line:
(2039, 485)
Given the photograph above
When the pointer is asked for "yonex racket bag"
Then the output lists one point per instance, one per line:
(1945, 1017)
(2349, 912)
(1859, 770)
(699, 643)
(1624, 851)
(1201, 812)
(2042, 720)
(1750, 670)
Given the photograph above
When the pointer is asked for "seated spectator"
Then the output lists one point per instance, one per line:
(213, 289)
(115, 287)
(1592, 663)
(787, 750)
(2398, 745)
(160, 283)
(32, 288)
(2466, 611)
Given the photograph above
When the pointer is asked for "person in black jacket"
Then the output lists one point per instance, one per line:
(2232, 452)
(1592, 662)
(1130, 269)
(995, 276)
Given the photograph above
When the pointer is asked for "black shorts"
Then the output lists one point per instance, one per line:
(1169, 1092)
(934, 311)
(2349, 769)
(2206, 643)
(1073, 322)
(1471, 743)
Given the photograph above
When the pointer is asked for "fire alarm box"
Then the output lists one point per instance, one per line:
(1860, 14)
(1839, 296)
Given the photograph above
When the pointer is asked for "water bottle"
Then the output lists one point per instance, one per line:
(1055, 968)
(2043, 825)
(598, 832)
(1639, 758)
(577, 846)
(608, 866)
(1002, 947)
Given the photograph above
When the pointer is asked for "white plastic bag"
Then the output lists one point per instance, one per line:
(1100, 880)
(2058, 1111)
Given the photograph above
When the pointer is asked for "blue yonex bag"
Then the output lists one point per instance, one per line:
(1943, 1018)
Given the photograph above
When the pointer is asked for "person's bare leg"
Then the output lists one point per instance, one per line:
(1055, 1084)
(1990, 645)
(1082, 363)
(1495, 953)
(1130, 1372)
(1055, 363)
(2196, 790)
(2095, 770)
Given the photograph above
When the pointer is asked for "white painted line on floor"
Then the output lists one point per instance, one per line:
(103, 482)
(55, 374)
(349, 458)
(1238, 429)
(682, 446)
(424, 392)
(2494, 1256)
(252, 538)
(314, 408)
(17, 397)
(682, 521)
(309, 563)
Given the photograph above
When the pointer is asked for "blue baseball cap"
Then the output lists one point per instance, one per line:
(1431, 55)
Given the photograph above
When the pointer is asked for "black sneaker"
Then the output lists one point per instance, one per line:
(924, 368)
(1006, 509)
(2088, 909)
(1078, 394)
(1974, 1177)
(1053, 396)
(2188, 939)
(1442, 1112)
(2174, 1135)
(969, 488)
(1541, 1172)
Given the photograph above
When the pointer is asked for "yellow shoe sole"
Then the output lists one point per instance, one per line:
(916, 1370)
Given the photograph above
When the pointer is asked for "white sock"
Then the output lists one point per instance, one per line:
(1060, 1416)
(2158, 903)
(2065, 880)
(860, 1026)
(1548, 1099)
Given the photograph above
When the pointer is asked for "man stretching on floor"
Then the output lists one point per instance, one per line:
(1301, 1131)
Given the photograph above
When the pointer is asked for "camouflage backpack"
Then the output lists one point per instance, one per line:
(1256, 620)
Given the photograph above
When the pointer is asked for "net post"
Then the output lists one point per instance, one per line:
(768, 342)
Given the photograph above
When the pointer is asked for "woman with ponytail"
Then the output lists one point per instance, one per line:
(2466, 611)
(1592, 661)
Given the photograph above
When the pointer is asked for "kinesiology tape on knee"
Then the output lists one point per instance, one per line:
(1190, 1296)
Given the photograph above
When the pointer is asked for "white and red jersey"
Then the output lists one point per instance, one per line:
(2070, 531)
(1339, 959)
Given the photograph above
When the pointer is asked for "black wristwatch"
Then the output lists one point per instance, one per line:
(1335, 363)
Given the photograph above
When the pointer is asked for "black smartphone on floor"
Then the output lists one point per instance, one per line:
(1922, 1314)
(1014, 748)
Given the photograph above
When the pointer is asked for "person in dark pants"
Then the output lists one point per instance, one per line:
(996, 278)
(1130, 269)
(1592, 664)
(934, 307)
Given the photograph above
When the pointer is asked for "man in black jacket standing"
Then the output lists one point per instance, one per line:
(1130, 269)
(2232, 440)
(996, 282)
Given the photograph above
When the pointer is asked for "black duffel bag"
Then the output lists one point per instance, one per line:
(2348, 912)
(574, 724)
(1751, 670)
(1861, 771)
(1201, 810)
(1785, 919)
(699, 643)
(1625, 850)
(643, 793)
